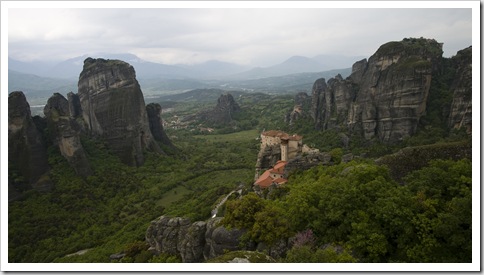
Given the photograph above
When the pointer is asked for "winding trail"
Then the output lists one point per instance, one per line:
(215, 210)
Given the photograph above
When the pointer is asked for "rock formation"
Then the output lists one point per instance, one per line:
(75, 109)
(461, 108)
(203, 240)
(194, 242)
(65, 133)
(114, 110)
(306, 161)
(27, 154)
(301, 103)
(384, 97)
(153, 111)
(222, 113)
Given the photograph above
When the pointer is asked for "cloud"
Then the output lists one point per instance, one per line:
(246, 36)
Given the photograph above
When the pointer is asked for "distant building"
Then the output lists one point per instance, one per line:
(272, 176)
(290, 147)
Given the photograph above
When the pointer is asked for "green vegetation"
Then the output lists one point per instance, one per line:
(411, 207)
(411, 46)
(111, 209)
(359, 207)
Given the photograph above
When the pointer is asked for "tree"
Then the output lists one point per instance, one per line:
(241, 213)
(271, 224)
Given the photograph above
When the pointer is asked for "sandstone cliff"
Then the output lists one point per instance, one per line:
(114, 110)
(65, 133)
(203, 240)
(153, 111)
(302, 103)
(222, 113)
(461, 109)
(193, 242)
(384, 97)
(27, 155)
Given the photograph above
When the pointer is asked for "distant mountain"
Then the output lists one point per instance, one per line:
(291, 83)
(38, 86)
(299, 64)
(212, 69)
(32, 67)
(200, 95)
(71, 68)
(216, 69)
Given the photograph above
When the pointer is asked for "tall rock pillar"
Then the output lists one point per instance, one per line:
(114, 110)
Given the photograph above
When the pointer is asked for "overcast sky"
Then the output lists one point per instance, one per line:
(255, 37)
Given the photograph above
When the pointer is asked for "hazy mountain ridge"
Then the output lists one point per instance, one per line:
(70, 68)
(298, 64)
(40, 79)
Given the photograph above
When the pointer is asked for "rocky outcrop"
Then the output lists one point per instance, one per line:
(384, 97)
(267, 157)
(75, 109)
(153, 111)
(306, 161)
(301, 104)
(222, 113)
(331, 101)
(193, 242)
(27, 154)
(461, 109)
(114, 110)
(65, 133)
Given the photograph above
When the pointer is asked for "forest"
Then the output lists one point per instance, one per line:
(379, 207)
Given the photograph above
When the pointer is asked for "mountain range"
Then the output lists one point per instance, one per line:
(40, 79)
(212, 69)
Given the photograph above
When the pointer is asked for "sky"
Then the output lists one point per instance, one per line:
(246, 36)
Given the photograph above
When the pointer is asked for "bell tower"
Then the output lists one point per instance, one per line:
(284, 149)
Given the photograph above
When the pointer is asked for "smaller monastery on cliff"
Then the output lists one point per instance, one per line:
(290, 146)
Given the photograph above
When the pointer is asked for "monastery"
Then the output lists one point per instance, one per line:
(290, 145)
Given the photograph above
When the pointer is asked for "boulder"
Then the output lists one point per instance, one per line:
(219, 239)
(193, 242)
(192, 246)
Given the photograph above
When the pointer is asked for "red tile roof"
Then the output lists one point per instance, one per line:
(279, 167)
(265, 180)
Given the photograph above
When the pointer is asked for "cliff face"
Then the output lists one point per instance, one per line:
(203, 240)
(27, 153)
(385, 96)
(153, 111)
(65, 133)
(193, 242)
(114, 110)
(222, 113)
(302, 103)
(461, 108)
